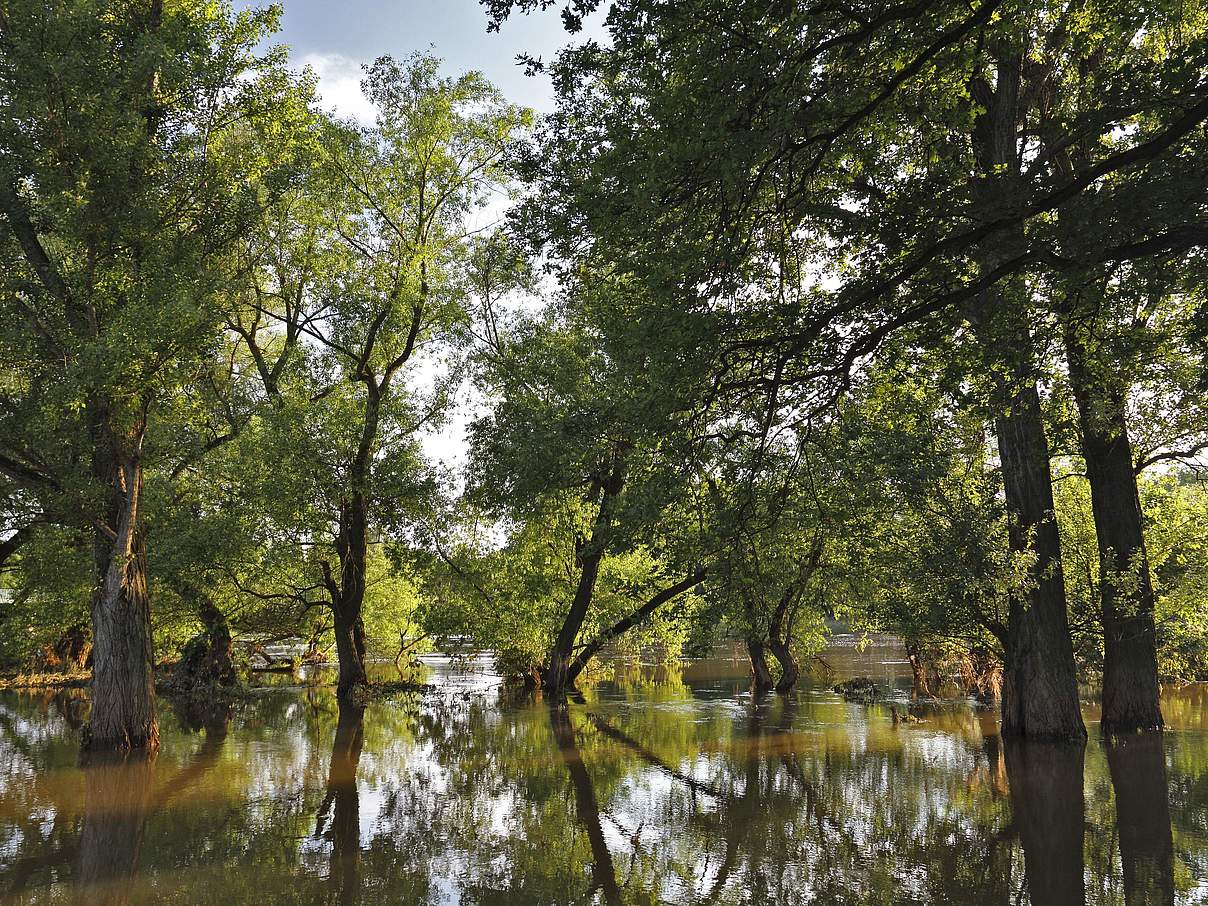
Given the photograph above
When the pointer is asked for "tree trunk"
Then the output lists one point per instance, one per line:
(123, 685)
(557, 674)
(1130, 660)
(208, 658)
(790, 668)
(920, 688)
(352, 545)
(1049, 815)
(622, 626)
(1040, 688)
(1138, 771)
(1040, 691)
(761, 675)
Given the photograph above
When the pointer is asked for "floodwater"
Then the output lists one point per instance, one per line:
(667, 784)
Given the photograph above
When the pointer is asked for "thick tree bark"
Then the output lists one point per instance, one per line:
(123, 684)
(1040, 691)
(761, 674)
(1138, 770)
(1049, 815)
(1130, 660)
(342, 805)
(557, 676)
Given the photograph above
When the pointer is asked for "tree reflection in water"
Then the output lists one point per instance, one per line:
(1138, 771)
(339, 818)
(643, 792)
(119, 795)
(587, 809)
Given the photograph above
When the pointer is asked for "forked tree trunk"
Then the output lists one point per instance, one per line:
(1130, 660)
(123, 684)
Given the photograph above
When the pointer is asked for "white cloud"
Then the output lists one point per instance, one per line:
(340, 85)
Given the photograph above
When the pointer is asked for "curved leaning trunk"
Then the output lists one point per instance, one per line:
(790, 668)
(560, 671)
(761, 674)
(123, 684)
(1130, 661)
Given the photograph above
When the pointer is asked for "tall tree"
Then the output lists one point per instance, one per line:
(367, 281)
(742, 154)
(133, 156)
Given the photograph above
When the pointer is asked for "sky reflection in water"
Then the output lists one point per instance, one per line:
(665, 784)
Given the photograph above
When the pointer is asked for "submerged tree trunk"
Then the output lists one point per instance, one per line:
(1138, 770)
(790, 668)
(123, 685)
(761, 675)
(1049, 814)
(348, 595)
(208, 658)
(1040, 691)
(557, 674)
(1130, 661)
(920, 687)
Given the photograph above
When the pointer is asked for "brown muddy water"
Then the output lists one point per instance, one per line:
(666, 784)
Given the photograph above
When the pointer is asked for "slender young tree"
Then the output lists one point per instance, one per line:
(363, 291)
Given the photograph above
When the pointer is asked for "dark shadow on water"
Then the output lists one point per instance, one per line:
(1138, 771)
(339, 818)
(1049, 816)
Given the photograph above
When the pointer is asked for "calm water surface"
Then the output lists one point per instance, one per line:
(665, 785)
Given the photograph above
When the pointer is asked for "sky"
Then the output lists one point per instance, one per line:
(334, 38)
